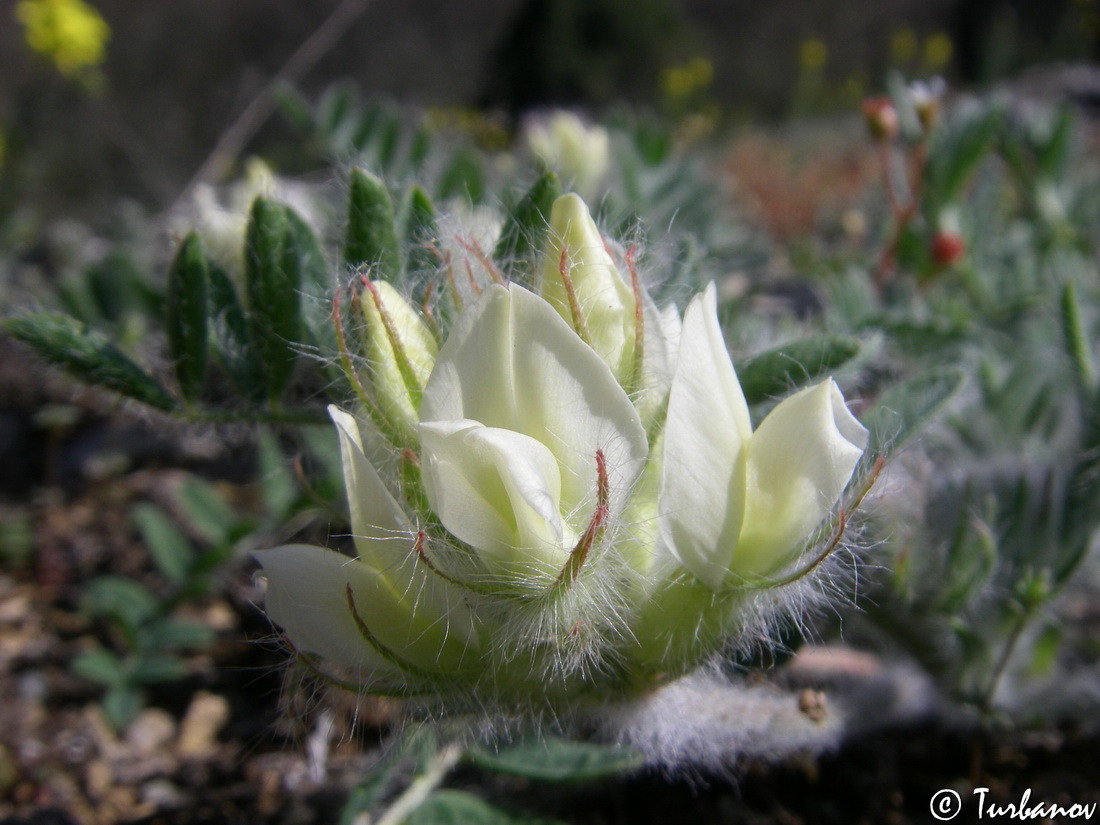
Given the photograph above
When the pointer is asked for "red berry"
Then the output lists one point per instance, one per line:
(947, 247)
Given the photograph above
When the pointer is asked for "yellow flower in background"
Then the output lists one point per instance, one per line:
(938, 50)
(903, 46)
(69, 32)
(812, 54)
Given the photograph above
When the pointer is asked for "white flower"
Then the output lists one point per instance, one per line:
(579, 152)
(513, 416)
(382, 615)
(533, 540)
(732, 501)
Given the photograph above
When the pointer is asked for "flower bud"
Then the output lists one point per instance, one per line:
(581, 282)
(881, 118)
(401, 352)
(925, 97)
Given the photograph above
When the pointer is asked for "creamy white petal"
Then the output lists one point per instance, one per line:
(307, 597)
(701, 496)
(513, 363)
(385, 540)
(383, 533)
(660, 344)
(799, 461)
(497, 490)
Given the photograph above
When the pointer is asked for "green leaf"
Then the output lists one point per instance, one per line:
(461, 808)
(153, 668)
(314, 273)
(337, 104)
(418, 221)
(957, 154)
(205, 510)
(117, 286)
(122, 599)
(121, 704)
(776, 372)
(420, 147)
(87, 355)
(176, 634)
(525, 229)
(100, 666)
(557, 760)
(168, 547)
(294, 107)
(903, 409)
(371, 238)
(462, 178)
(317, 285)
(186, 316)
(377, 782)
(273, 283)
(1077, 343)
(277, 483)
(231, 337)
(1051, 155)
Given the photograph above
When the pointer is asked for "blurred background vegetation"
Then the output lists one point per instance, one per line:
(173, 75)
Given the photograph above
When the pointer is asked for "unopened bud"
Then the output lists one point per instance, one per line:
(881, 118)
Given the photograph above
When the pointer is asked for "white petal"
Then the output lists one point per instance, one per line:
(701, 499)
(799, 461)
(497, 490)
(513, 363)
(307, 597)
(383, 533)
(661, 342)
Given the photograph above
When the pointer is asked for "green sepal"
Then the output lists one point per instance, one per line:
(186, 316)
(88, 355)
(371, 238)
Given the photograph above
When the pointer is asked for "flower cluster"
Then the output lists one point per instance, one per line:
(566, 498)
(69, 32)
